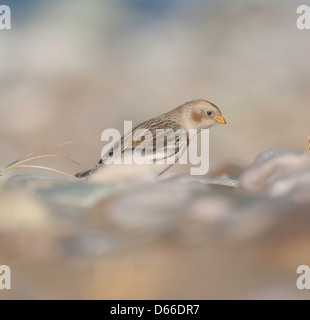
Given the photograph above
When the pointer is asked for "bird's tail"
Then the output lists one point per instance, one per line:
(86, 173)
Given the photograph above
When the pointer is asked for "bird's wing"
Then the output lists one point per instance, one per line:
(151, 143)
(163, 145)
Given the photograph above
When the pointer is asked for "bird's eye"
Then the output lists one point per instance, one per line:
(209, 113)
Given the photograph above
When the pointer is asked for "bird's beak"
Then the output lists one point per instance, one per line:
(221, 120)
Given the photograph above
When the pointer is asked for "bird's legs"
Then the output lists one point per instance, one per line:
(308, 145)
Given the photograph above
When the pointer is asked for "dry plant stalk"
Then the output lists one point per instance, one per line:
(20, 163)
(307, 150)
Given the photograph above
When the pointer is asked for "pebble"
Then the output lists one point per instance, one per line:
(141, 232)
(271, 165)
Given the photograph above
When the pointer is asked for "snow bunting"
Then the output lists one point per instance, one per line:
(196, 114)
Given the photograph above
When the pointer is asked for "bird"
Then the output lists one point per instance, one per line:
(196, 114)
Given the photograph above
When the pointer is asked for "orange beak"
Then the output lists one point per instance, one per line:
(221, 120)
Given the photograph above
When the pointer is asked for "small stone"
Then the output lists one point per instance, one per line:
(295, 185)
(20, 213)
(89, 244)
(80, 194)
(271, 165)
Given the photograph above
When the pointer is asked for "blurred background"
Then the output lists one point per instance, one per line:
(71, 69)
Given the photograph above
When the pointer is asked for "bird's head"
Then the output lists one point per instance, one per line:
(201, 114)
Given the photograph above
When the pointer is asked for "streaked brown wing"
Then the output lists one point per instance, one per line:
(143, 136)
